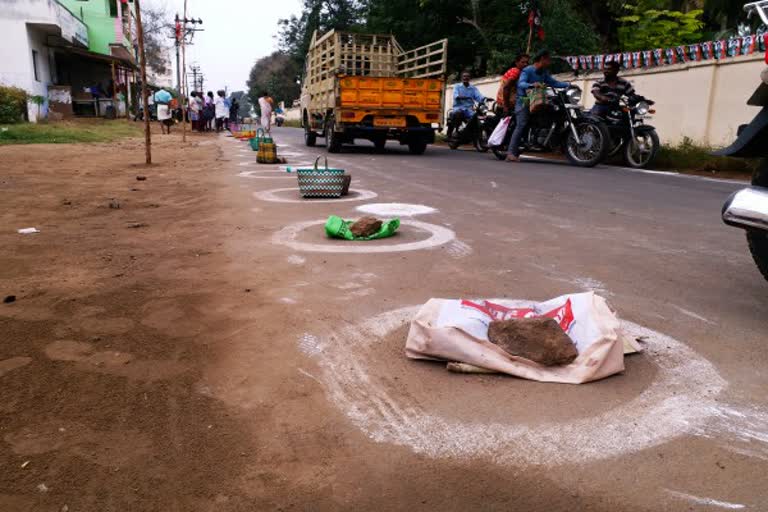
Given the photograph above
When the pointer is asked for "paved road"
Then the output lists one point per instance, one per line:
(651, 439)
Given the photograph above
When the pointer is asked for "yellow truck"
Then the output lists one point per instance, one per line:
(364, 86)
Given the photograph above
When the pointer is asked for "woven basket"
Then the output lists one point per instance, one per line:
(315, 182)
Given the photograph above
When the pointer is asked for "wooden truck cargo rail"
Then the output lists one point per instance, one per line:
(367, 86)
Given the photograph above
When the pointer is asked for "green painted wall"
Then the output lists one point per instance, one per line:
(101, 26)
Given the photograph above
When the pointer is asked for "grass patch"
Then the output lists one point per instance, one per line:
(694, 158)
(65, 132)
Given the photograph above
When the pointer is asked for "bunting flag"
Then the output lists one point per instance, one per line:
(627, 60)
(719, 49)
(670, 54)
(734, 47)
(761, 39)
(573, 62)
(680, 54)
(599, 59)
(608, 58)
(658, 56)
(617, 58)
(748, 45)
(583, 61)
(637, 60)
(706, 50)
(694, 52)
(647, 58)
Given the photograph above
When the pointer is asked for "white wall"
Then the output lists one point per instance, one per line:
(704, 101)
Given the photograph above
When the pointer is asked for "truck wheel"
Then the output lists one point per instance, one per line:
(417, 147)
(332, 140)
(379, 144)
(310, 137)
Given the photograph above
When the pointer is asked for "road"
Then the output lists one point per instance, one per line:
(191, 340)
(652, 244)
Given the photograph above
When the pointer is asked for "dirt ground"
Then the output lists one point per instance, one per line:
(159, 355)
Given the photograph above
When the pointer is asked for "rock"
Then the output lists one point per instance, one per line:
(366, 226)
(141, 178)
(114, 204)
(9, 299)
(138, 225)
(538, 339)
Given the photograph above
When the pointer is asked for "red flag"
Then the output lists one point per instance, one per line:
(534, 20)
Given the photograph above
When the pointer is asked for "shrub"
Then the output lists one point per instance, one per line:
(13, 104)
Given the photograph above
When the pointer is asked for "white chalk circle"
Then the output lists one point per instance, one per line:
(273, 174)
(395, 209)
(277, 195)
(680, 399)
(438, 236)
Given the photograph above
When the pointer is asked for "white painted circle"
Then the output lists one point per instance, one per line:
(395, 209)
(680, 400)
(287, 236)
(274, 196)
(255, 175)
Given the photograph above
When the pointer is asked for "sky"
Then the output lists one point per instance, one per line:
(237, 33)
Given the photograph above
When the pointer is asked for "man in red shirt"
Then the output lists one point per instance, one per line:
(507, 93)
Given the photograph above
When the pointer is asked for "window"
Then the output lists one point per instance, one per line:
(34, 65)
(113, 8)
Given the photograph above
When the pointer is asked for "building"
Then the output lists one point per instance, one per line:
(75, 53)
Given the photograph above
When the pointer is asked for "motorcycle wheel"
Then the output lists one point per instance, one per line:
(593, 148)
(481, 141)
(758, 239)
(453, 143)
(641, 152)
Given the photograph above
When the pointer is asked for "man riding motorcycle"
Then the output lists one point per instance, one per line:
(608, 91)
(465, 95)
(507, 93)
(535, 75)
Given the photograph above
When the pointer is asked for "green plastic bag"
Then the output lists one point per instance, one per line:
(336, 227)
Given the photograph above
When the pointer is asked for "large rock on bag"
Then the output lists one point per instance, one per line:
(539, 339)
(366, 226)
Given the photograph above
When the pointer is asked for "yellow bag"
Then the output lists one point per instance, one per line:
(267, 153)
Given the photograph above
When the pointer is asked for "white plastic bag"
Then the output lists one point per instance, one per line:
(497, 137)
(457, 330)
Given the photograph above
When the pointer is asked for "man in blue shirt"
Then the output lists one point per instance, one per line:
(465, 96)
(535, 75)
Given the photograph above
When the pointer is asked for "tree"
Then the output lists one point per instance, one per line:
(277, 74)
(647, 28)
(157, 28)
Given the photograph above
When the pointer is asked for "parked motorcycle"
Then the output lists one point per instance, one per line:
(637, 141)
(748, 208)
(476, 129)
(562, 126)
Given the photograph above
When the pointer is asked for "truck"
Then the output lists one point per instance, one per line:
(365, 86)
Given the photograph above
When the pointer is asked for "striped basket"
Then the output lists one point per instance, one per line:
(315, 182)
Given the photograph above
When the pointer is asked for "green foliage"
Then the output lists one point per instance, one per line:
(13, 104)
(95, 130)
(277, 74)
(646, 28)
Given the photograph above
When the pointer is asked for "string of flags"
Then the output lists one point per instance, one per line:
(720, 49)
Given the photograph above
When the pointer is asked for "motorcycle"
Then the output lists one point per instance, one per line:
(476, 129)
(748, 208)
(562, 125)
(638, 141)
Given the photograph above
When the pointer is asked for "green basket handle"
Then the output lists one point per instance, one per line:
(260, 137)
(326, 162)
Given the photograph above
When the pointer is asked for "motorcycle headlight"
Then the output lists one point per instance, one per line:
(642, 108)
(574, 96)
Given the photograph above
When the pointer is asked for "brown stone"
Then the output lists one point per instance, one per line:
(366, 226)
(539, 339)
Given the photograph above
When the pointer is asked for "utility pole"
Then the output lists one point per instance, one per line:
(144, 97)
(181, 31)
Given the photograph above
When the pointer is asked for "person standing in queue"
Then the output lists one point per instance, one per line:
(265, 106)
(535, 75)
(221, 110)
(465, 95)
(507, 93)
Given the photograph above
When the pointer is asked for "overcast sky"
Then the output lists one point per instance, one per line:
(237, 33)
